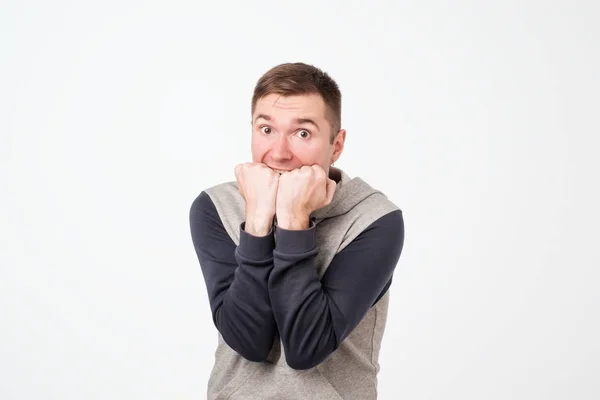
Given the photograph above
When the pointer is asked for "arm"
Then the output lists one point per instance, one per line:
(236, 280)
(314, 316)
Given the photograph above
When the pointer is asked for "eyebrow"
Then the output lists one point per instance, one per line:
(307, 121)
(298, 121)
(263, 116)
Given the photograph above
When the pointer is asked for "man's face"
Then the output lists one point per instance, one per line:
(290, 132)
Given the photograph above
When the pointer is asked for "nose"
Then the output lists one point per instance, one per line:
(280, 151)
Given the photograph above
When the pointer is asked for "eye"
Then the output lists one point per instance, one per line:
(266, 130)
(304, 134)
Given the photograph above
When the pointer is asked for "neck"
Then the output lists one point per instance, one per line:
(335, 174)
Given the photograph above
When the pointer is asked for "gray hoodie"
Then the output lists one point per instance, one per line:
(294, 322)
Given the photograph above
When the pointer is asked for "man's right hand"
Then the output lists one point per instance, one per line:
(258, 184)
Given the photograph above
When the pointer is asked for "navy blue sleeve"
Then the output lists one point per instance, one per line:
(314, 316)
(236, 279)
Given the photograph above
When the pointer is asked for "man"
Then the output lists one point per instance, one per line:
(297, 257)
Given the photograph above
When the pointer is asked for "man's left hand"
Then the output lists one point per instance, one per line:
(300, 192)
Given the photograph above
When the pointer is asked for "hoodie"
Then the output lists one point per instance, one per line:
(299, 314)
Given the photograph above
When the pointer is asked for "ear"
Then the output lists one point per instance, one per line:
(338, 145)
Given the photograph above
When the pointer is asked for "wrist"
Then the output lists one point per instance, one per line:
(293, 222)
(258, 226)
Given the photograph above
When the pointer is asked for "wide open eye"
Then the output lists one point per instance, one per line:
(303, 133)
(266, 130)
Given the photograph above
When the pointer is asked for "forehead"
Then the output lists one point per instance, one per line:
(304, 106)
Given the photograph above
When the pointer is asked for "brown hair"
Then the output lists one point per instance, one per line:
(291, 79)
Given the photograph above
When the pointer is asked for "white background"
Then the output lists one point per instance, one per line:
(479, 120)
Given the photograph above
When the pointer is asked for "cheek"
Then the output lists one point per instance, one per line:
(258, 149)
(310, 155)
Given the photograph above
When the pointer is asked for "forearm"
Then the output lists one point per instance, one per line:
(257, 225)
(236, 279)
(300, 306)
(293, 221)
(242, 313)
(315, 315)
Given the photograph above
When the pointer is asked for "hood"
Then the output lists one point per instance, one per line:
(348, 193)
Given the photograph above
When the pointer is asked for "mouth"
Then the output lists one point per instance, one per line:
(280, 171)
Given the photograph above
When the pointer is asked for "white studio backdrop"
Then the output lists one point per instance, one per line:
(479, 119)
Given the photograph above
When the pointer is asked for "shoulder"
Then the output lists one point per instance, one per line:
(374, 204)
(388, 228)
(374, 216)
(211, 197)
(220, 206)
(223, 190)
(202, 210)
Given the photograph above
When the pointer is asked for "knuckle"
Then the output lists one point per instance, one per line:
(319, 173)
(238, 170)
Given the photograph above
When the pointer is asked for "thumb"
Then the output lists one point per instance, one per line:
(331, 186)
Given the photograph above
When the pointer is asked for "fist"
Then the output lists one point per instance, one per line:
(257, 184)
(299, 193)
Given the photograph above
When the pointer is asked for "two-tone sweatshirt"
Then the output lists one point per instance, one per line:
(300, 314)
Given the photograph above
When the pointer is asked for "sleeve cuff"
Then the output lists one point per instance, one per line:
(256, 248)
(296, 241)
